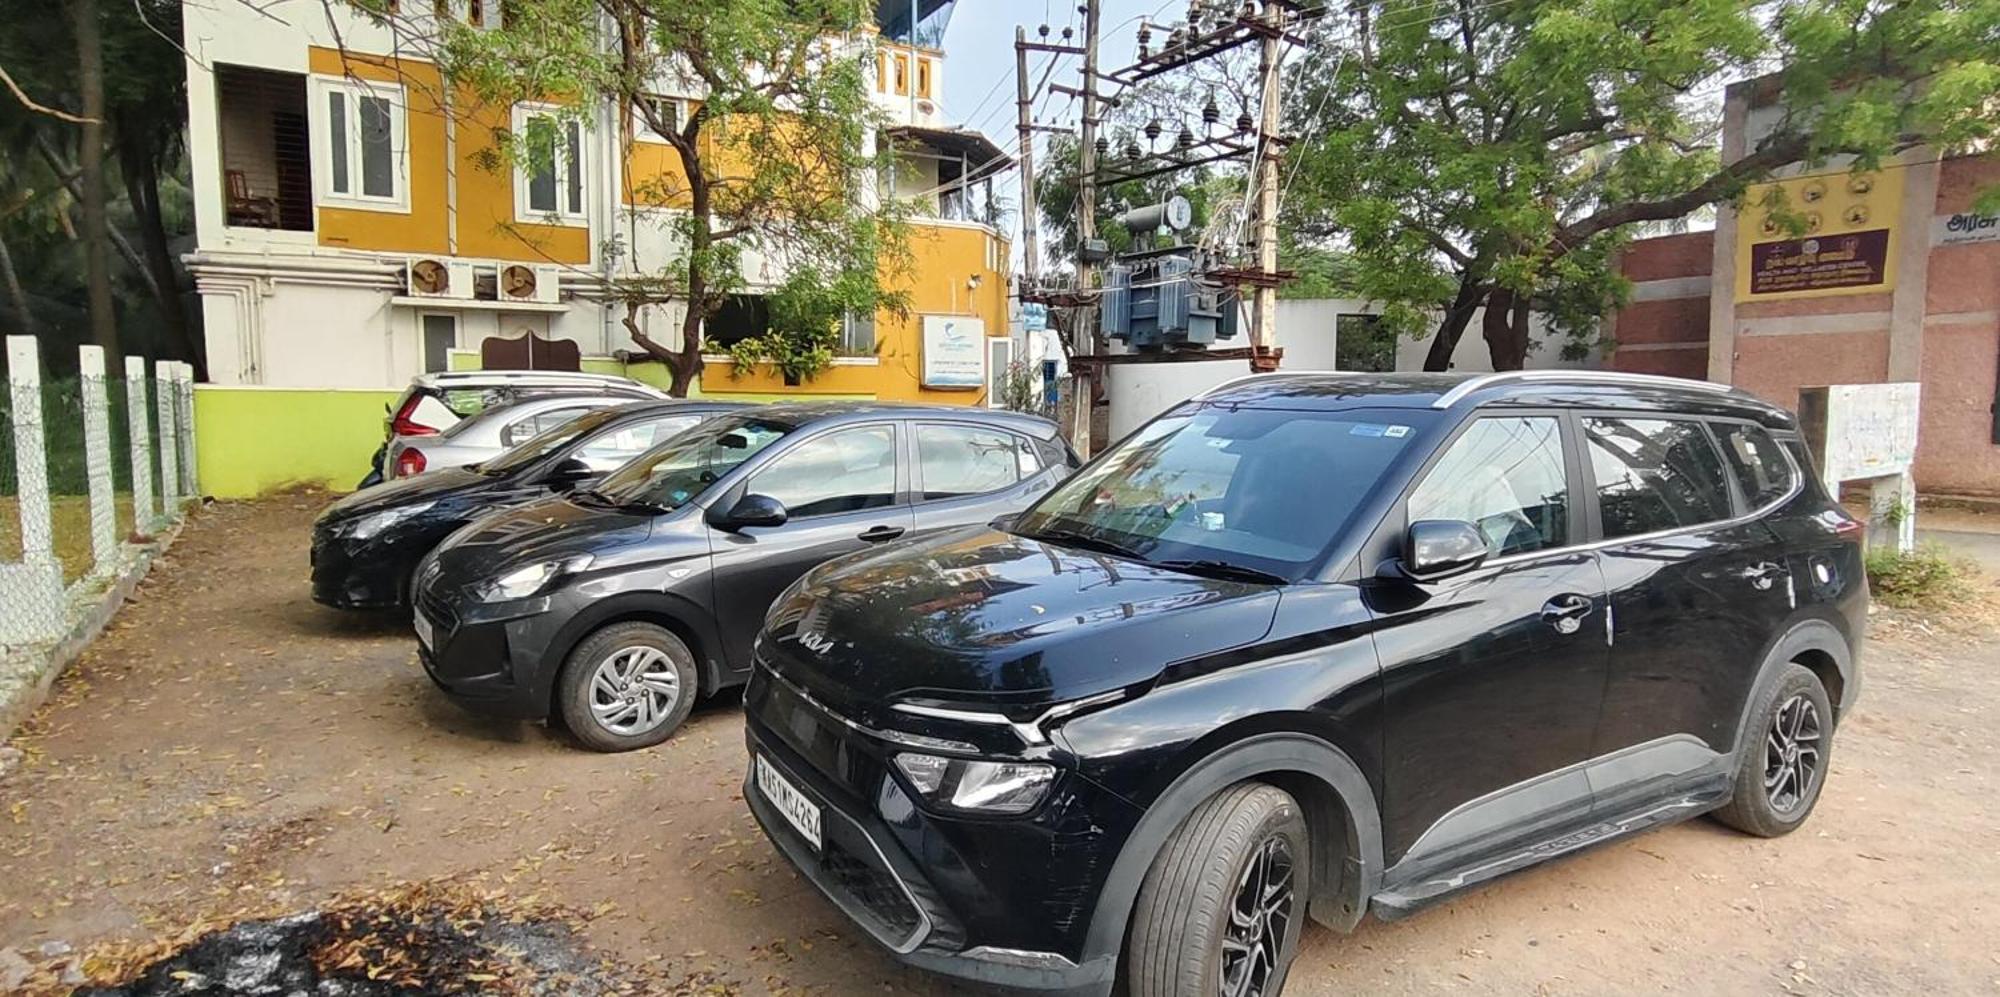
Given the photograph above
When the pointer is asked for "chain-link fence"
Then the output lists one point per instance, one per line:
(88, 469)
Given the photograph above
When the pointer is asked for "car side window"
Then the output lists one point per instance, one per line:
(1655, 474)
(619, 445)
(522, 430)
(966, 460)
(842, 471)
(1506, 476)
(1758, 462)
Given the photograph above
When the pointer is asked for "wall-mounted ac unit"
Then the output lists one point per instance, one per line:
(529, 282)
(427, 277)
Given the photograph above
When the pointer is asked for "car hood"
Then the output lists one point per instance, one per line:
(980, 616)
(550, 529)
(430, 487)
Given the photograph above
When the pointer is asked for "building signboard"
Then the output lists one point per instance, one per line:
(1818, 235)
(954, 352)
(1963, 228)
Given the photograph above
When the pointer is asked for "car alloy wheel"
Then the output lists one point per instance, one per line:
(1258, 918)
(633, 690)
(1792, 754)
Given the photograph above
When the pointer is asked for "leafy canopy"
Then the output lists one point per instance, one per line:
(1468, 152)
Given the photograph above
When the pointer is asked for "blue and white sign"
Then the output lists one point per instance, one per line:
(954, 351)
(1034, 316)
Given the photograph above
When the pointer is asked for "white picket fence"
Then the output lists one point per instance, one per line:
(36, 605)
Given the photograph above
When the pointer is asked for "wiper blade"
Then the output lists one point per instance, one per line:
(1088, 542)
(1223, 569)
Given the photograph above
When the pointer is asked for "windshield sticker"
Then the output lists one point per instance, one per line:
(1367, 429)
(1211, 521)
(1397, 432)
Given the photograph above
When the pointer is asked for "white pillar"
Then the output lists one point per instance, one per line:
(184, 423)
(31, 593)
(170, 472)
(97, 459)
(138, 420)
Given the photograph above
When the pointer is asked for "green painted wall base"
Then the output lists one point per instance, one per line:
(250, 440)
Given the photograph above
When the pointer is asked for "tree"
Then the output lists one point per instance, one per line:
(772, 151)
(90, 157)
(1468, 154)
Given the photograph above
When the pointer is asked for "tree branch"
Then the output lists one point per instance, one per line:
(1783, 150)
(30, 104)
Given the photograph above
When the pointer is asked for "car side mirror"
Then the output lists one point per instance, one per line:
(571, 471)
(1440, 548)
(1005, 524)
(750, 510)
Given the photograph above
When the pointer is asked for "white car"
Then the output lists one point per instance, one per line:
(434, 403)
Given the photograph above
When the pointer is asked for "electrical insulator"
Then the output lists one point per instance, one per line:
(1067, 32)
(1103, 147)
(1132, 151)
(1210, 114)
(1043, 31)
(1243, 123)
(1152, 131)
(1185, 139)
(1174, 39)
(1249, 9)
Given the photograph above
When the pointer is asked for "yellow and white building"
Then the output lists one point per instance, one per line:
(356, 224)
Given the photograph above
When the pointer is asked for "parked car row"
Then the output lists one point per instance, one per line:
(1307, 645)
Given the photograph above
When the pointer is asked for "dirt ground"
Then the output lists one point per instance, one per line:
(229, 745)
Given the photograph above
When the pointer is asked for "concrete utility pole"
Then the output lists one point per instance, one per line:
(1031, 221)
(1084, 336)
(1264, 312)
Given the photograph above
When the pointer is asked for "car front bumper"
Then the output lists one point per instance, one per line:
(356, 574)
(956, 897)
(490, 658)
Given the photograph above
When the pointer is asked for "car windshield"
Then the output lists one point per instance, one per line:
(673, 473)
(542, 444)
(1256, 491)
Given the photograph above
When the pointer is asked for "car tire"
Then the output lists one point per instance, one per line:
(1201, 919)
(625, 687)
(1781, 765)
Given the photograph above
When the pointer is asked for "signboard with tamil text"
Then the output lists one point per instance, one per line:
(1819, 234)
(954, 352)
(1963, 228)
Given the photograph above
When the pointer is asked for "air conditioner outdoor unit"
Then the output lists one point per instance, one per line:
(529, 282)
(427, 277)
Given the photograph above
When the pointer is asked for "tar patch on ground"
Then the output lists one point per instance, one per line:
(432, 938)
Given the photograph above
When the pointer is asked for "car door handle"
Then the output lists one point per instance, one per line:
(1566, 612)
(877, 534)
(1762, 576)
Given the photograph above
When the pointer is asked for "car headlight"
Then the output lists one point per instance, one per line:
(364, 527)
(523, 582)
(978, 786)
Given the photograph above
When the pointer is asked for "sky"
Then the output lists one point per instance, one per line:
(979, 89)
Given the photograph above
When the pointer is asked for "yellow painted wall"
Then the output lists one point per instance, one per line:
(249, 441)
(486, 225)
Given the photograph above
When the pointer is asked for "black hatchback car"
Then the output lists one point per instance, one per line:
(609, 609)
(1314, 644)
(366, 546)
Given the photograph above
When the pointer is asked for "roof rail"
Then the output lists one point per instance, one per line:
(1466, 387)
(1232, 382)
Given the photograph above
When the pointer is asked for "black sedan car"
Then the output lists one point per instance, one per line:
(1311, 645)
(611, 608)
(365, 547)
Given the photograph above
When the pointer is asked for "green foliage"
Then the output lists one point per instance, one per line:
(1454, 151)
(1925, 578)
(1057, 189)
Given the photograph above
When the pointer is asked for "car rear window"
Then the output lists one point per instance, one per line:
(1759, 463)
(1654, 475)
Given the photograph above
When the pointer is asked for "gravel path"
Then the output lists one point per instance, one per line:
(229, 746)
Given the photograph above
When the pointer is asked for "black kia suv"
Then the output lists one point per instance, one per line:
(1314, 644)
(610, 608)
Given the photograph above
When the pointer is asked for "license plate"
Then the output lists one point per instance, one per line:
(801, 813)
(426, 633)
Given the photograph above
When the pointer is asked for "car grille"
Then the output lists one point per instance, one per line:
(436, 610)
(875, 889)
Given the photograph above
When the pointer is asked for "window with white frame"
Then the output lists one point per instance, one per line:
(551, 177)
(668, 111)
(361, 144)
